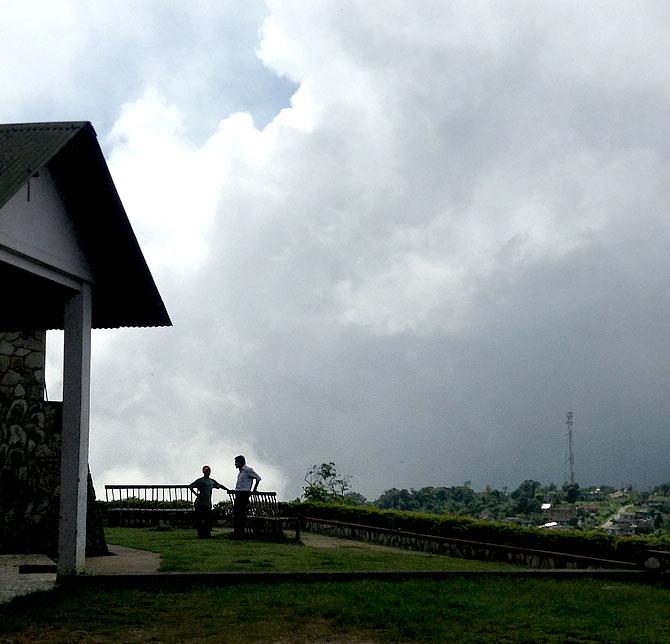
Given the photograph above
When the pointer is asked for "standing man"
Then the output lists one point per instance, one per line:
(202, 488)
(247, 483)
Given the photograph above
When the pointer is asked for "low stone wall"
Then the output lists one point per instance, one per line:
(460, 547)
(30, 449)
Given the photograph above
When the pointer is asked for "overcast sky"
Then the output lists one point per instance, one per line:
(403, 236)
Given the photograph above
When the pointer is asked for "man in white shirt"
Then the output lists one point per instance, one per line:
(247, 483)
(247, 479)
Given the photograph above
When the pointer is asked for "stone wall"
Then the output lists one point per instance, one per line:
(30, 436)
(461, 548)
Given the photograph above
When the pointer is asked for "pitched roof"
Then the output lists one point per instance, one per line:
(26, 147)
(124, 291)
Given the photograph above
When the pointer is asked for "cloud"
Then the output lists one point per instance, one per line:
(173, 192)
(73, 60)
(453, 233)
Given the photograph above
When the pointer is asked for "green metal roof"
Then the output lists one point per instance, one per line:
(124, 292)
(26, 147)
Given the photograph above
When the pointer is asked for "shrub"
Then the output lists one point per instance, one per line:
(592, 543)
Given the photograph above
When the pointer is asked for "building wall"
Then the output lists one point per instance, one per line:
(35, 222)
(30, 436)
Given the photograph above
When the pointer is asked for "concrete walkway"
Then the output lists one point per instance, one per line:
(13, 584)
(123, 561)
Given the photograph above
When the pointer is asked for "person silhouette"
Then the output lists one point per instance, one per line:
(202, 488)
(246, 484)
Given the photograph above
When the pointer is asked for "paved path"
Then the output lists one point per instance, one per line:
(608, 522)
(123, 561)
(13, 584)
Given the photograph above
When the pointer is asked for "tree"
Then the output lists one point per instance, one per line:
(663, 489)
(525, 497)
(354, 498)
(395, 499)
(324, 484)
(572, 492)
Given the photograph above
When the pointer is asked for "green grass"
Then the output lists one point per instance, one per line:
(456, 610)
(181, 550)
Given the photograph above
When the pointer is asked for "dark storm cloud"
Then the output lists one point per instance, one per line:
(455, 234)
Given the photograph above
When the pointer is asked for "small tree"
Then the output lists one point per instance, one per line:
(324, 484)
(572, 492)
(354, 498)
(527, 497)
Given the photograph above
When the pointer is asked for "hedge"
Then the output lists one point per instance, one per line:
(587, 543)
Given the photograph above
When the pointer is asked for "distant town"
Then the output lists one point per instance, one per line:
(619, 512)
(616, 511)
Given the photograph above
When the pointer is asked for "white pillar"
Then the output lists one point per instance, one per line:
(74, 449)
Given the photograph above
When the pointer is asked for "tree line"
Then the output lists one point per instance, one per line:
(323, 483)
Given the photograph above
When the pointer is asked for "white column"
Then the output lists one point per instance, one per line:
(74, 449)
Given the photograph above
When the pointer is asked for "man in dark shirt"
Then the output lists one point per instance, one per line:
(202, 488)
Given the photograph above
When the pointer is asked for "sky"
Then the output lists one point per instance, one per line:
(406, 237)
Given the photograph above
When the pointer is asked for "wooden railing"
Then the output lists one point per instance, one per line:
(139, 505)
(264, 519)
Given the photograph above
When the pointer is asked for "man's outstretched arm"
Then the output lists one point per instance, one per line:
(218, 485)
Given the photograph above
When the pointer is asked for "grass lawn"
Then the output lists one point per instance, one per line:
(455, 610)
(181, 550)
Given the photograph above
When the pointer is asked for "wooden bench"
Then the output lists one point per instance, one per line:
(264, 520)
(142, 505)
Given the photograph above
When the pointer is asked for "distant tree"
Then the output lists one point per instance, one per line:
(527, 497)
(646, 527)
(553, 495)
(494, 503)
(572, 492)
(323, 483)
(354, 498)
(459, 499)
(663, 489)
(527, 489)
(395, 499)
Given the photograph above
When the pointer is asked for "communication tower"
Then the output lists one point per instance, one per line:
(571, 454)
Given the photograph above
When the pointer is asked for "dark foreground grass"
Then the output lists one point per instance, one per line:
(182, 551)
(455, 610)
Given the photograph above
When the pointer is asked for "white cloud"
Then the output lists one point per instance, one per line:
(163, 180)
